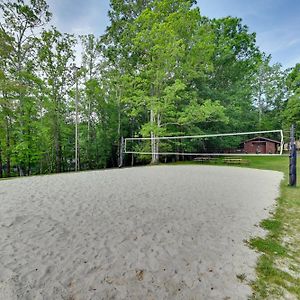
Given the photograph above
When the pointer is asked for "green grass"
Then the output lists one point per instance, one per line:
(278, 268)
(268, 246)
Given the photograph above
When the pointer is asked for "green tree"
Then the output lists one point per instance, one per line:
(90, 98)
(56, 56)
(121, 59)
(19, 21)
(6, 110)
(270, 94)
(173, 48)
(235, 61)
(291, 114)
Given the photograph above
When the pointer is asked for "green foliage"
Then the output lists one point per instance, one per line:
(202, 113)
(293, 80)
(272, 225)
(55, 54)
(268, 246)
(270, 94)
(160, 69)
(291, 114)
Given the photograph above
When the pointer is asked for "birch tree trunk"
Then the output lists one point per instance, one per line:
(8, 171)
(157, 141)
(89, 138)
(57, 135)
(260, 109)
(152, 137)
(118, 95)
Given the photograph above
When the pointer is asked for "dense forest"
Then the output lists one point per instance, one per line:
(161, 68)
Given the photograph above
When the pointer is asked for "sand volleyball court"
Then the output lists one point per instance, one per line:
(170, 232)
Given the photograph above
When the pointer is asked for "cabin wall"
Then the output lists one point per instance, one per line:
(271, 148)
(253, 147)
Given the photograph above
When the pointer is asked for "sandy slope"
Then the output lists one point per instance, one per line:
(141, 233)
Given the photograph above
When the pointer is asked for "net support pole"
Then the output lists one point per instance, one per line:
(121, 154)
(281, 142)
(293, 159)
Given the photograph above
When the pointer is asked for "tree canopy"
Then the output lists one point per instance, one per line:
(161, 68)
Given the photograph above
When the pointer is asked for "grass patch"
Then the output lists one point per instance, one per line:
(272, 225)
(268, 246)
(278, 267)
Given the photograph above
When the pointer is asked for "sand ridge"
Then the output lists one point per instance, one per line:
(166, 232)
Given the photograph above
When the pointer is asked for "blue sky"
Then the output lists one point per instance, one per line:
(276, 22)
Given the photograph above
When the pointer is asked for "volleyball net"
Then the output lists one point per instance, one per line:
(269, 142)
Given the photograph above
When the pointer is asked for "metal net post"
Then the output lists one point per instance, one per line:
(293, 158)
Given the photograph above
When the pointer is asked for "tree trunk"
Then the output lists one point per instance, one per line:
(8, 171)
(260, 108)
(89, 150)
(58, 153)
(157, 141)
(89, 157)
(154, 159)
(132, 131)
(29, 154)
(57, 144)
(119, 125)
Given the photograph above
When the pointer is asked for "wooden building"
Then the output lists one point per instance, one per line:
(261, 145)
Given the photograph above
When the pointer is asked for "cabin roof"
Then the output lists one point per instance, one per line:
(260, 138)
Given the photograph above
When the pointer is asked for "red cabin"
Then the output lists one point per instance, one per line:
(261, 145)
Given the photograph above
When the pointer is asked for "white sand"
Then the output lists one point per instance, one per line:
(141, 233)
